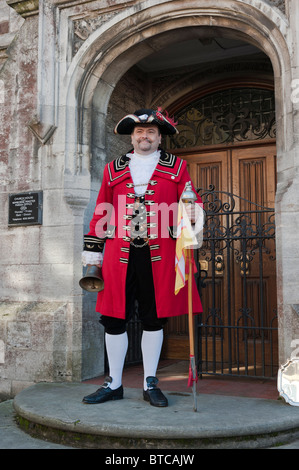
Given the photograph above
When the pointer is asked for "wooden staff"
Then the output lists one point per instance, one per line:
(189, 196)
(192, 367)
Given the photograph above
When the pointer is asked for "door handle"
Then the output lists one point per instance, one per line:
(219, 265)
(204, 265)
(244, 265)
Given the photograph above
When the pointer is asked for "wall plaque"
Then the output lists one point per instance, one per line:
(25, 208)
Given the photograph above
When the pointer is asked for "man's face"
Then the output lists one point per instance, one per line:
(146, 139)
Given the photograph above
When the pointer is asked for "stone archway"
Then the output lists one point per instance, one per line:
(131, 35)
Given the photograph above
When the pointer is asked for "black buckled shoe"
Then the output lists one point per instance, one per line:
(154, 394)
(104, 393)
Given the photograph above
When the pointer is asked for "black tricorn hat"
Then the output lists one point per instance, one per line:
(146, 116)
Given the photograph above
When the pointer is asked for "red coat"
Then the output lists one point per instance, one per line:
(166, 185)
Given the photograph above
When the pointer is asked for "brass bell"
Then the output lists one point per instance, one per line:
(92, 281)
(188, 195)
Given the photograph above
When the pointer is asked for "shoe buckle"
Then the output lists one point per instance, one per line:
(151, 382)
(107, 382)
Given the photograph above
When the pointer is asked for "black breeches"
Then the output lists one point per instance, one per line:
(140, 288)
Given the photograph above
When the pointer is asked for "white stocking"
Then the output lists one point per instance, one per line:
(151, 345)
(116, 346)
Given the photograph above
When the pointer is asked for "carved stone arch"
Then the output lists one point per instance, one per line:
(130, 36)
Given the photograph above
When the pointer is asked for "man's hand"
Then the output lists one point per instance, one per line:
(193, 211)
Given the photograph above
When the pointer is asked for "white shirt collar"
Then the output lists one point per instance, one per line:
(151, 157)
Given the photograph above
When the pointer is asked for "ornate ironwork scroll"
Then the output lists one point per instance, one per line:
(227, 116)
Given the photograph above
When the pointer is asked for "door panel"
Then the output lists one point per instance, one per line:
(254, 179)
(210, 168)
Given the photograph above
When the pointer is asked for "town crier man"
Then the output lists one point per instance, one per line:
(134, 225)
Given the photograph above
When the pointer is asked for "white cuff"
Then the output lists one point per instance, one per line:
(91, 257)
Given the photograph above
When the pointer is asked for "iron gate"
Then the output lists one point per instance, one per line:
(237, 333)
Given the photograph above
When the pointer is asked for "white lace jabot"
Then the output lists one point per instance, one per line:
(142, 168)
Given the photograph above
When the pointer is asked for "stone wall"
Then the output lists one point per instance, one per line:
(10, 23)
(36, 335)
(20, 171)
(40, 320)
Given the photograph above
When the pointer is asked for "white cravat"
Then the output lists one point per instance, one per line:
(142, 168)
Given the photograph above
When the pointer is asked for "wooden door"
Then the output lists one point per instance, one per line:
(248, 172)
(254, 278)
